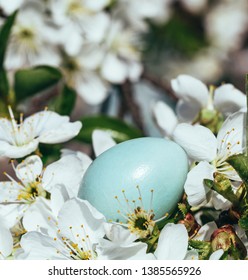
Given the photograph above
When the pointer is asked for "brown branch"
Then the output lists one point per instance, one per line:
(161, 84)
(134, 109)
(41, 100)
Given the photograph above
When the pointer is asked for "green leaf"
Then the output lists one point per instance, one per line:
(118, 129)
(33, 80)
(222, 185)
(240, 164)
(203, 247)
(243, 221)
(65, 102)
(4, 35)
(4, 85)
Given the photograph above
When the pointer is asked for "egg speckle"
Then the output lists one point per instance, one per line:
(157, 166)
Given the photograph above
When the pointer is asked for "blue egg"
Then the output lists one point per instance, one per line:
(149, 163)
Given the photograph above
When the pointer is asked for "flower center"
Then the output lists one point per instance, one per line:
(76, 9)
(82, 249)
(226, 149)
(31, 191)
(141, 223)
(138, 220)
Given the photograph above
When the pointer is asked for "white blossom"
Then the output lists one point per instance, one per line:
(20, 139)
(210, 152)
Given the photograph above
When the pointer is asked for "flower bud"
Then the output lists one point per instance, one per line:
(191, 225)
(226, 238)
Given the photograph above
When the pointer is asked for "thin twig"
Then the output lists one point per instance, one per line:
(159, 83)
(134, 109)
(41, 100)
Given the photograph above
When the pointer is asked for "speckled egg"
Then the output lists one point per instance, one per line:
(110, 183)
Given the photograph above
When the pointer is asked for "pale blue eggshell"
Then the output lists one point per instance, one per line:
(150, 163)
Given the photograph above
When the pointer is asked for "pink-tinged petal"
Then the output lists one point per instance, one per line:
(102, 141)
(165, 118)
(172, 243)
(190, 90)
(194, 185)
(198, 141)
(228, 99)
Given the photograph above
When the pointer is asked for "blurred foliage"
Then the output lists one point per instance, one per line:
(31, 81)
(4, 38)
(118, 129)
(65, 102)
(182, 34)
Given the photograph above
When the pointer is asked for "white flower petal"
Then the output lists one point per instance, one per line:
(38, 246)
(95, 26)
(12, 213)
(194, 186)
(61, 134)
(205, 232)
(78, 218)
(5, 130)
(9, 191)
(59, 195)
(228, 99)
(96, 5)
(113, 69)
(192, 255)
(68, 171)
(165, 118)
(13, 151)
(190, 90)
(198, 141)
(187, 111)
(102, 141)
(133, 251)
(219, 202)
(232, 131)
(92, 88)
(117, 234)
(51, 128)
(172, 243)
(39, 217)
(29, 169)
(134, 71)
(216, 255)
(6, 241)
